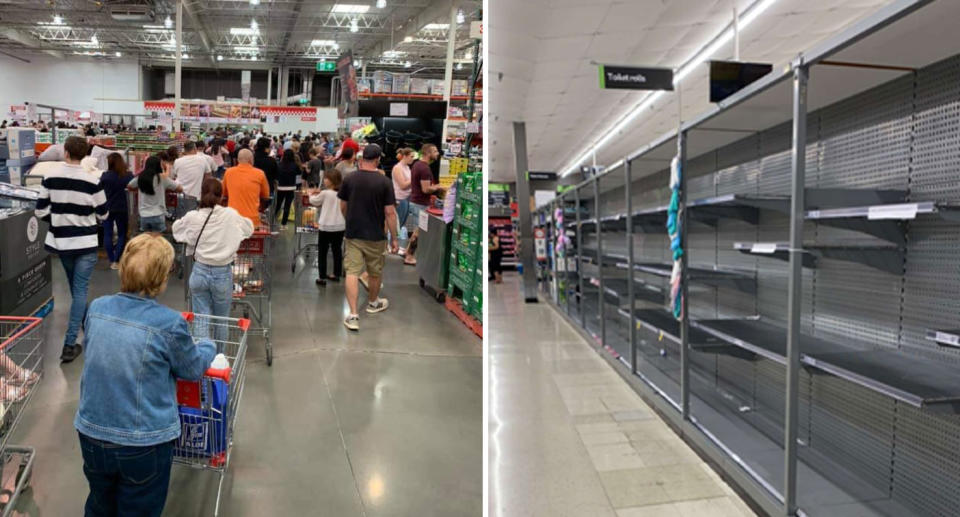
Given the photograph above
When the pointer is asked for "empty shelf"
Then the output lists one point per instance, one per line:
(884, 258)
(945, 337)
(664, 324)
(920, 382)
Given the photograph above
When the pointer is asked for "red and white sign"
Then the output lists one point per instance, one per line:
(308, 119)
(540, 243)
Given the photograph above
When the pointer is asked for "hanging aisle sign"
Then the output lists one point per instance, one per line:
(635, 78)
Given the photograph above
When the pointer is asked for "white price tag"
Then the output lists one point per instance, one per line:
(764, 247)
(424, 220)
(951, 339)
(902, 211)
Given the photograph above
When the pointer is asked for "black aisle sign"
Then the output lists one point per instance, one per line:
(542, 176)
(634, 78)
(729, 77)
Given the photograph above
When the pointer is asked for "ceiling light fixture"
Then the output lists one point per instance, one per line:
(94, 40)
(408, 39)
(407, 64)
(468, 56)
(119, 54)
(356, 63)
(351, 8)
(460, 17)
(437, 26)
(254, 2)
(57, 20)
(354, 25)
(253, 25)
(324, 43)
(168, 22)
(381, 4)
(184, 56)
(243, 31)
(711, 47)
(459, 66)
(219, 57)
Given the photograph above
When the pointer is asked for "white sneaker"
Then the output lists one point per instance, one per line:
(378, 306)
(352, 322)
(114, 265)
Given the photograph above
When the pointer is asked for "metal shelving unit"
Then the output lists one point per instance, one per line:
(826, 382)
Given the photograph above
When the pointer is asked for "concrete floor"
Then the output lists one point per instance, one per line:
(384, 422)
(568, 436)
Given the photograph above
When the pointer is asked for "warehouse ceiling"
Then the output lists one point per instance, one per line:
(552, 84)
(403, 35)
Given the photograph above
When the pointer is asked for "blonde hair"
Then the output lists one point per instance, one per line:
(145, 265)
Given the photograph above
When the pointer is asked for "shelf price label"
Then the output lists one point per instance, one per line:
(764, 247)
(901, 211)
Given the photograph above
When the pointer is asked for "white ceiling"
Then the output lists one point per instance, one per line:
(541, 70)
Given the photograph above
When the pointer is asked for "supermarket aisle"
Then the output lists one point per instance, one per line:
(387, 421)
(569, 438)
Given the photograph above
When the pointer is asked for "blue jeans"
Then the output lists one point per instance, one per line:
(156, 223)
(125, 481)
(211, 293)
(114, 251)
(78, 269)
(403, 210)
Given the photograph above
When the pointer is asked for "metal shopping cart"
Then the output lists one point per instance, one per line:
(21, 367)
(305, 228)
(208, 407)
(252, 285)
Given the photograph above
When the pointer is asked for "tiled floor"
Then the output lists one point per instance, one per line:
(568, 437)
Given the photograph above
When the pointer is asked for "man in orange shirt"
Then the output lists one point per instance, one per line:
(246, 188)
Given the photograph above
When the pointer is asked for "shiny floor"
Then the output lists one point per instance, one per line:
(569, 437)
(384, 422)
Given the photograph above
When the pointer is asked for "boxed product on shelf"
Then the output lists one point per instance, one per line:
(363, 85)
(420, 86)
(436, 86)
(23, 292)
(382, 82)
(17, 143)
(401, 83)
(460, 88)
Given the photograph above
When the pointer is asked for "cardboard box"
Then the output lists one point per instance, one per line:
(401, 83)
(18, 144)
(461, 88)
(382, 82)
(23, 236)
(25, 292)
(18, 171)
(420, 86)
(363, 85)
(436, 86)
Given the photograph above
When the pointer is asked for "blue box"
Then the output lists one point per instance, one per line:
(21, 162)
(19, 143)
(203, 432)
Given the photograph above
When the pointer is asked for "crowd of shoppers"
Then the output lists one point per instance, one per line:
(226, 184)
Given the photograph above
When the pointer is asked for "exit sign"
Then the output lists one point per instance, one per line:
(326, 66)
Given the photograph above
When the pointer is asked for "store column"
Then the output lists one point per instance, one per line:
(525, 229)
(178, 71)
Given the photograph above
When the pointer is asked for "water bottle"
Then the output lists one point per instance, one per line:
(403, 233)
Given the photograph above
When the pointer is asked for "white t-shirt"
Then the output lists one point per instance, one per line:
(401, 171)
(331, 218)
(217, 245)
(189, 170)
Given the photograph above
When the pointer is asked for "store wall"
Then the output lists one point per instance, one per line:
(74, 83)
(204, 83)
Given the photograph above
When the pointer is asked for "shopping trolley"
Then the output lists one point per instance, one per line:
(252, 285)
(21, 367)
(305, 224)
(208, 407)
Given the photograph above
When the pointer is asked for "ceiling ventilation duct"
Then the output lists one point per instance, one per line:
(131, 13)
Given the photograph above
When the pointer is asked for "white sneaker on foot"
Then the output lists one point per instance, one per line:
(352, 322)
(379, 305)
(114, 265)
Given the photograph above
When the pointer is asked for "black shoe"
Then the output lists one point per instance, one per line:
(70, 353)
(333, 278)
(321, 282)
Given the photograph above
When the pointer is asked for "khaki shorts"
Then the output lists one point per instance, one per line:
(359, 253)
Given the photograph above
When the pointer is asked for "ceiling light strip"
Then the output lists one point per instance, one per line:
(698, 58)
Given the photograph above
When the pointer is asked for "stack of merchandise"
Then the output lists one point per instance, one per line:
(466, 251)
(401, 83)
(25, 281)
(17, 155)
(382, 82)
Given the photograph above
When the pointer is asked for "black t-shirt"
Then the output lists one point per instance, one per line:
(367, 194)
(268, 165)
(287, 173)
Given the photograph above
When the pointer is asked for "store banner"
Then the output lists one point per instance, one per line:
(245, 84)
(635, 78)
(349, 96)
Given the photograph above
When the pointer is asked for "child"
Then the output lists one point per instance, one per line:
(331, 225)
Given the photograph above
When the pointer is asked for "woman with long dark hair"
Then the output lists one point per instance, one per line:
(114, 182)
(153, 184)
(214, 233)
(287, 175)
(218, 151)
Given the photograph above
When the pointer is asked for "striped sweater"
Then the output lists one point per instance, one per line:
(73, 202)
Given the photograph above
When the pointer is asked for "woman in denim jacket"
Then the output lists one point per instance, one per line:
(127, 417)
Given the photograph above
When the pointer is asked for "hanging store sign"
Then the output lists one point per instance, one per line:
(542, 176)
(729, 77)
(326, 66)
(476, 30)
(635, 78)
